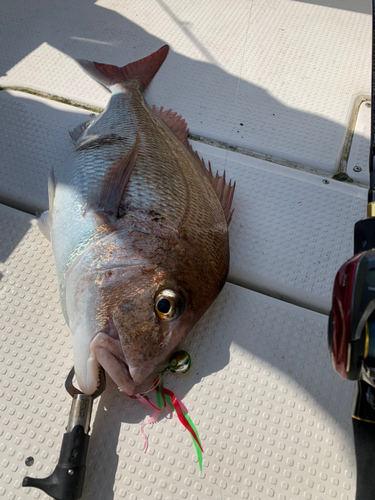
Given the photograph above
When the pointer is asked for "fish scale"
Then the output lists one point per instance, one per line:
(135, 214)
(151, 187)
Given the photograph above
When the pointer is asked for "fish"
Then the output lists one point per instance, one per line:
(139, 230)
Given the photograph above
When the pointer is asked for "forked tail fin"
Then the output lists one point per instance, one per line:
(142, 71)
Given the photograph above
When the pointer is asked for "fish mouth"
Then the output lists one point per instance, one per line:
(107, 349)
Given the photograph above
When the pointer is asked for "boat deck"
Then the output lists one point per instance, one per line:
(276, 92)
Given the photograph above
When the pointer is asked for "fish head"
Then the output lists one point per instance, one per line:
(148, 319)
(128, 311)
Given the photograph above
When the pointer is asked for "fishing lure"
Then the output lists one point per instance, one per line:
(179, 362)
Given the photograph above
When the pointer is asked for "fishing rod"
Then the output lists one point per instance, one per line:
(351, 326)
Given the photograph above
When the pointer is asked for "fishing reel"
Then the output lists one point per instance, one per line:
(351, 340)
(351, 329)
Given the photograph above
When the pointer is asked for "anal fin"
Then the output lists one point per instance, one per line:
(78, 131)
(51, 189)
(107, 198)
(43, 224)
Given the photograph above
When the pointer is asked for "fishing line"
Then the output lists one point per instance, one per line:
(240, 75)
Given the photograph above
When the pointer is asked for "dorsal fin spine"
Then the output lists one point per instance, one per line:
(178, 126)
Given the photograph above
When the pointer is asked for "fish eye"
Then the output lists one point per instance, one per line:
(164, 306)
(168, 304)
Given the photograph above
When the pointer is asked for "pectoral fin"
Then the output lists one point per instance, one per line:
(107, 198)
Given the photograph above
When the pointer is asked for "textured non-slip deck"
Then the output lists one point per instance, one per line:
(275, 76)
(35, 139)
(271, 88)
(274, 420)
(358, 161)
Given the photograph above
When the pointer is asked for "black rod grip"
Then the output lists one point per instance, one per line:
(364, 235)
(364, 440)
(66, 481)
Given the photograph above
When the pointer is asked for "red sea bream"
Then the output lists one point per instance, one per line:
(138, 225)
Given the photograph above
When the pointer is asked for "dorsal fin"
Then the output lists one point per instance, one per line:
(174, 121)
(223, 190)
(143, 70)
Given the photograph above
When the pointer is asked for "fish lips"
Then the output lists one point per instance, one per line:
(94, 344)
(107, 350)
(131, 368)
